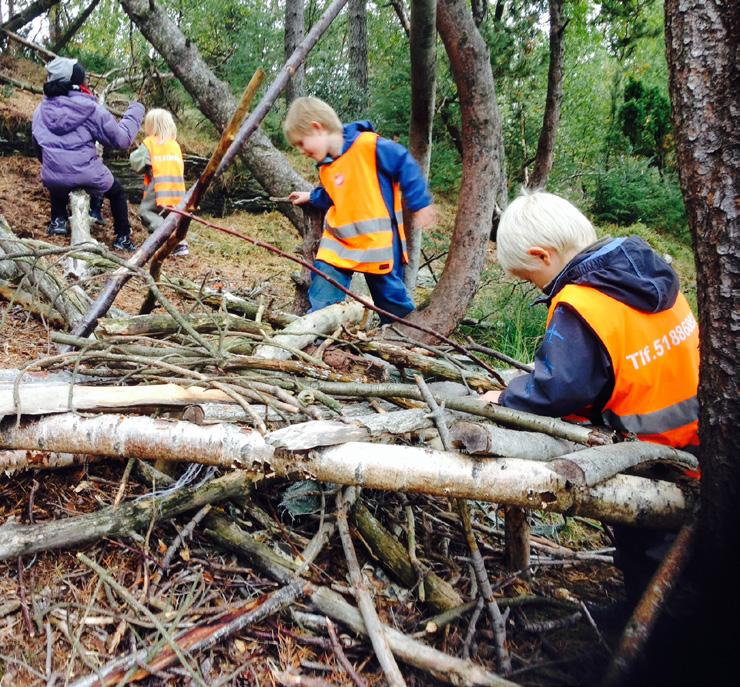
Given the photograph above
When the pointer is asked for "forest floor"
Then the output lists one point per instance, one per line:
(49, 652)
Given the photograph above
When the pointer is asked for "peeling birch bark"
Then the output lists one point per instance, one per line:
(301, 332)
(508, 481)
(16, 461)
(79, 223)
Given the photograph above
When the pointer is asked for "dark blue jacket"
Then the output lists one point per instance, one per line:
(572, 369)
(395, 164)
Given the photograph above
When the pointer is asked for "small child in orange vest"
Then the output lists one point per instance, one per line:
(621, 347)
(159, 158)
(362, 178)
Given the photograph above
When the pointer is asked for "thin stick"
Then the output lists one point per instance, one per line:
(184, 534)
(362, 596)
(497, 621)
(336, 645)
(22, 596)
(124, 482)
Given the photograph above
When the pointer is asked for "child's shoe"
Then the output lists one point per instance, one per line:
(96, 216)
(58, 227)
(124, 243)
(180, 250)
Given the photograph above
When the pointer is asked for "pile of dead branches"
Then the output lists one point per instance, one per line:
(231, 400)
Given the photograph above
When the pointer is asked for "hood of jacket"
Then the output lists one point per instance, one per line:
(626, 269)
(353, 130)
(65, 113)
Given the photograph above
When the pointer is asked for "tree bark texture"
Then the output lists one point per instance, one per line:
(357, 57)
(215, 100)
(701, 41)
(551, 119)
(508, 481)
(423, 52)
(294, 29)
(482, 170)
(35, 9)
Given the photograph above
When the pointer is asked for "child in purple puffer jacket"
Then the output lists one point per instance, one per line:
(65, 127)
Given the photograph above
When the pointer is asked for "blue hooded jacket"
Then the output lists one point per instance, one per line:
(572, 369)
(394, 163)
(65, 128)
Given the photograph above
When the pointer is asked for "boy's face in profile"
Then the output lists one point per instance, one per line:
(315, 143)
(548, 264)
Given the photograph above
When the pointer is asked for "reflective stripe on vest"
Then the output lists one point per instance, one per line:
(655, 359)
(358, 234)
(167, 171)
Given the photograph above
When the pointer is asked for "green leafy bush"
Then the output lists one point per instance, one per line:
(634, 191)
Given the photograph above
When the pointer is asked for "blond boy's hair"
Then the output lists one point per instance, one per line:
(159, 123)
(303, 111)
(537, 218)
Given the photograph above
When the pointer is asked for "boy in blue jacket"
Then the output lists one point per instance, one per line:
(621, 346)
(362, 179)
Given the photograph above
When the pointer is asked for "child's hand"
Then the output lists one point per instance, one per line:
(425, 218)
(299, 197)
(490, 396)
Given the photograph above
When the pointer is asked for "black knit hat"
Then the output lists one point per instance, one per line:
(78, 74)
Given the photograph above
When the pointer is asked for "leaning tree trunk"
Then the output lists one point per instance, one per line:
(216, 101)
(692, 644)
(423, 51)
(294, 30)
(35, 9)
(482, 170)
(551, 119)
(74, 27)
(357, 53)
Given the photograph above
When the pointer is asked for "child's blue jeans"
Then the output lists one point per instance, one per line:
(388, 290)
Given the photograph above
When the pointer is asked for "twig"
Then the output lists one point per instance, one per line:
(341, 656)
(411, 538)
(186, 532)
(24, 602)
(124, 481)
(470, 634)
(497, 622)
(362, 596)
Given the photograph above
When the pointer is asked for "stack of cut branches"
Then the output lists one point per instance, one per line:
(249, 419)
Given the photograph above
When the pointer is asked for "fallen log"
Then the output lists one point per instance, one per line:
(592, 466)
(508, 481)
(20, 540)
(394, 557)
(15, 461)
(480, 439)
(302, 332)
(442, 666)
(56, 397)
(161, 325)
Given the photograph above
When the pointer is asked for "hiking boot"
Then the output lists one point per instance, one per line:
(97, 217)
(124, 243)
(180, 250)
(58, 227)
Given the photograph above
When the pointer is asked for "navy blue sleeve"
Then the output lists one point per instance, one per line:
(572, 370)
(399, 165)
(320, 199)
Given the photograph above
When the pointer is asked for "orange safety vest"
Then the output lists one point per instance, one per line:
(655, 359)
(358, 231)
(167, 171)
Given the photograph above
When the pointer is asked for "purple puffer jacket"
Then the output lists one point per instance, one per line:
(66, 128)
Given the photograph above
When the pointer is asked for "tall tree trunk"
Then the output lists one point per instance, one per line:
(357, 53)
(701, 41)
(74, 27)
(551, 118)
(294, 30)
(482, 170)
(35, 9)
(216, 101)
(422, 47)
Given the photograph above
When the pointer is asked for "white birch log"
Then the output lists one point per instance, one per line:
(79, 223)
(592, 466)
(16, 461)
(54, 397)
(301, 332)
(215, 413)
(508, 481)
